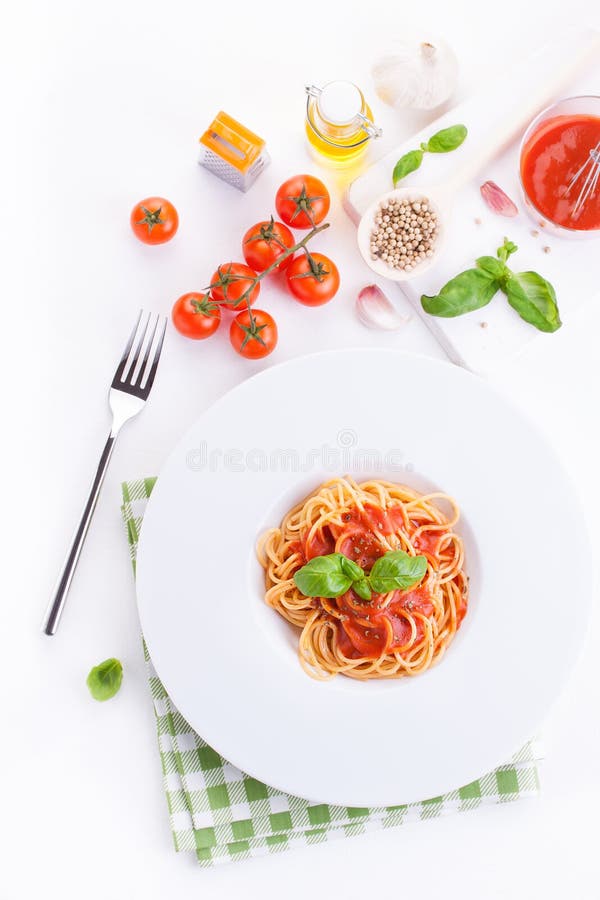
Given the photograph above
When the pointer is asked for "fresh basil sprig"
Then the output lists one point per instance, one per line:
(446, 140)
(361, 587)
(397, 571)
(407, 164)
(441, 142)
(332, 575)
(350, 568)
(468, 291)
(528, 293)
(324, 576)
(105, 679)
(534, 299)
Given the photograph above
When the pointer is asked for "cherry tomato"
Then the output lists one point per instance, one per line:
(154, 220)
(253, 333)
(313, 279)
(264, 243)
(229, 284)
(302, 201)
(196, 316)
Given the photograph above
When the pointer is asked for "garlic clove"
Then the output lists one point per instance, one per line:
(497, 200)
(416, 74)
(375, 310)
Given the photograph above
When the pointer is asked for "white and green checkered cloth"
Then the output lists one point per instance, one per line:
(221, 814)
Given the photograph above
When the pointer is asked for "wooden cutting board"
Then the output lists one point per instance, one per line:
(485, 339)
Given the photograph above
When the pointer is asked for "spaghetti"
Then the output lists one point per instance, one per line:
(403, 632)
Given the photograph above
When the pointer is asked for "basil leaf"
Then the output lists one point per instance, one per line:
(350, 568)
(323, 576)
(465, 292)
(534, 299)
(397, 571)
(407, 164)
(447, 139)
(506, 250)
(105, 679)
(361, 587)
(492, 267)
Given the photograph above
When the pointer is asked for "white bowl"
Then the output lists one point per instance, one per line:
(230, 662)
(367, 223)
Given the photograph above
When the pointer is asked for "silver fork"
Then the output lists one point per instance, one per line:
(128, 394)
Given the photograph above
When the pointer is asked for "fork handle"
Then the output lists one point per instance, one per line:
(59, 596)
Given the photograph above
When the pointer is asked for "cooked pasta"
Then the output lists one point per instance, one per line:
(393, 634)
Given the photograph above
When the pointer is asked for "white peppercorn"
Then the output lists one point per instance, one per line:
(404, 233)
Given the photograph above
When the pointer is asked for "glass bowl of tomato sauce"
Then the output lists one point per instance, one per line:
(558, 152)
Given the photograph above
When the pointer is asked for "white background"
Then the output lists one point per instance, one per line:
(102, 106)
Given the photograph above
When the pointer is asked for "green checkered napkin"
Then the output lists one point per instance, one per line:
(221, 814)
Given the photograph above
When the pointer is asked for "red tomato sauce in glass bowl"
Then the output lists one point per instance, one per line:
(558, 145)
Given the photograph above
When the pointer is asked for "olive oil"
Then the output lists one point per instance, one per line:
(339, 122)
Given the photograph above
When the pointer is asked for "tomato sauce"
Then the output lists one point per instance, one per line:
(320, 544)
(368, 631)
(551, 158)
(365, 629)
(427, 541)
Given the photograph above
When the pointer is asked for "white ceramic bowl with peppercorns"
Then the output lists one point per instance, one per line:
(401, 233)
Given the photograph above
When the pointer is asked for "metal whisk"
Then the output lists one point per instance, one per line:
(591, 169)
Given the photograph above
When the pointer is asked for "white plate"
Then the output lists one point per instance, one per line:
(229, 662)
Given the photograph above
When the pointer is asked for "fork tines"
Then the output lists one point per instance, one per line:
(134, 376)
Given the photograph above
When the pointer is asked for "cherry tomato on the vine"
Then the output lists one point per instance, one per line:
(253, 333)
(264, 243)
(313, 279)
(230, 283)
(154, 220)
(302, 201)
(196, 316)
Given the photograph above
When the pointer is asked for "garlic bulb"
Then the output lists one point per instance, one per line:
(416, 74)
